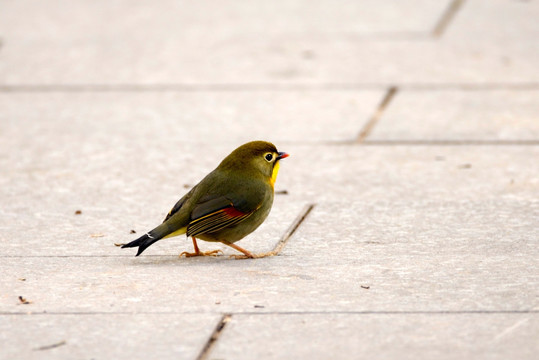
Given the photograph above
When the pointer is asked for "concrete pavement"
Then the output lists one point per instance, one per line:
(407, 213)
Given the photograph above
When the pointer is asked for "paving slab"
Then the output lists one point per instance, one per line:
(98, 336)
(43, 191)
(380, 336)
(171, 41)
(280, 61)
(414, 250)
(152, 46)
(460, 115)
(509, 23)
(407, 173)
(98, 121)
(377, 256)
(230, 18)
(498, 34)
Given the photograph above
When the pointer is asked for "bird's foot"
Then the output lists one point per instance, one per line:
(253, 256)
(239, 257)
(201, 253)
(246, 254)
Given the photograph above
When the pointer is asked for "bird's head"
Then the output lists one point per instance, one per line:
(261, 157)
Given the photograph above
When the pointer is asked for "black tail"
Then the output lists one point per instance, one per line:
(142, 242)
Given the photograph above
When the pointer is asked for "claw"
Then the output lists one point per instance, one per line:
(239, 257)
(254, 256)
(201, 253)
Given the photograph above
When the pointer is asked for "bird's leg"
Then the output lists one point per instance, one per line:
(247, 254)
(198, 252)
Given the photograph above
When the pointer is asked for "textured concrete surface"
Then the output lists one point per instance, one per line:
(98, 336)
(460, 116)
(285, 42)
(382, 336)
(192, 42)
(464, 256)
(114, 119)
(416, 239)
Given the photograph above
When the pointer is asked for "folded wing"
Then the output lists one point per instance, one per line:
(214, 215)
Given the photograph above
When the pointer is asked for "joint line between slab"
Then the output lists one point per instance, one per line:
(237, 87)
(307, 312)
(292, 229)
(420, 142)
(392, 312)
(51, 346)
(390, 94)
(446, 18)
(214, 337)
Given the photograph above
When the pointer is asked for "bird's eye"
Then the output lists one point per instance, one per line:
(268, 157)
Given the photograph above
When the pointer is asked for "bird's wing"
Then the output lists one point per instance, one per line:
(215, 214)
(179, 204)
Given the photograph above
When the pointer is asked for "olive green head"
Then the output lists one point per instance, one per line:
(255, 156)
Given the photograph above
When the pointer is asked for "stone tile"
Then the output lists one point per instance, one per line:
(510, 24)
(489, 42)
(281, 60)
(115, 187)
(420, 251)
(174, 118)
(138, 49)
(98, 336)
(460, 115)
(459, 231)
(448, 252)
(376, 256)
(172, 42)
(499, 35)
(368, 174)
(380, 336)
(203, 18)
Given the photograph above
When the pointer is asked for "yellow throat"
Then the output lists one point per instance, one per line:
(274, 173)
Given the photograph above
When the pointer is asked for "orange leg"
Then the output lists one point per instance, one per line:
(198, 252)
(247, 254)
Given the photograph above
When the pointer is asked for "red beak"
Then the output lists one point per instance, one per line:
(282, 155)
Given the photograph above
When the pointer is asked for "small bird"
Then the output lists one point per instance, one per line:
(225, 206)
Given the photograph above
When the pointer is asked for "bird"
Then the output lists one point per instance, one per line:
(226, 205)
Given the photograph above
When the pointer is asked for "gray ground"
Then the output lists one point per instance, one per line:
(410, 223)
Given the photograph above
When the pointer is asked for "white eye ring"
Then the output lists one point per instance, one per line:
(268, 157)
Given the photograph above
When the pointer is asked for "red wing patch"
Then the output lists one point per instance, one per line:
(233, 212)
(216, 221)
